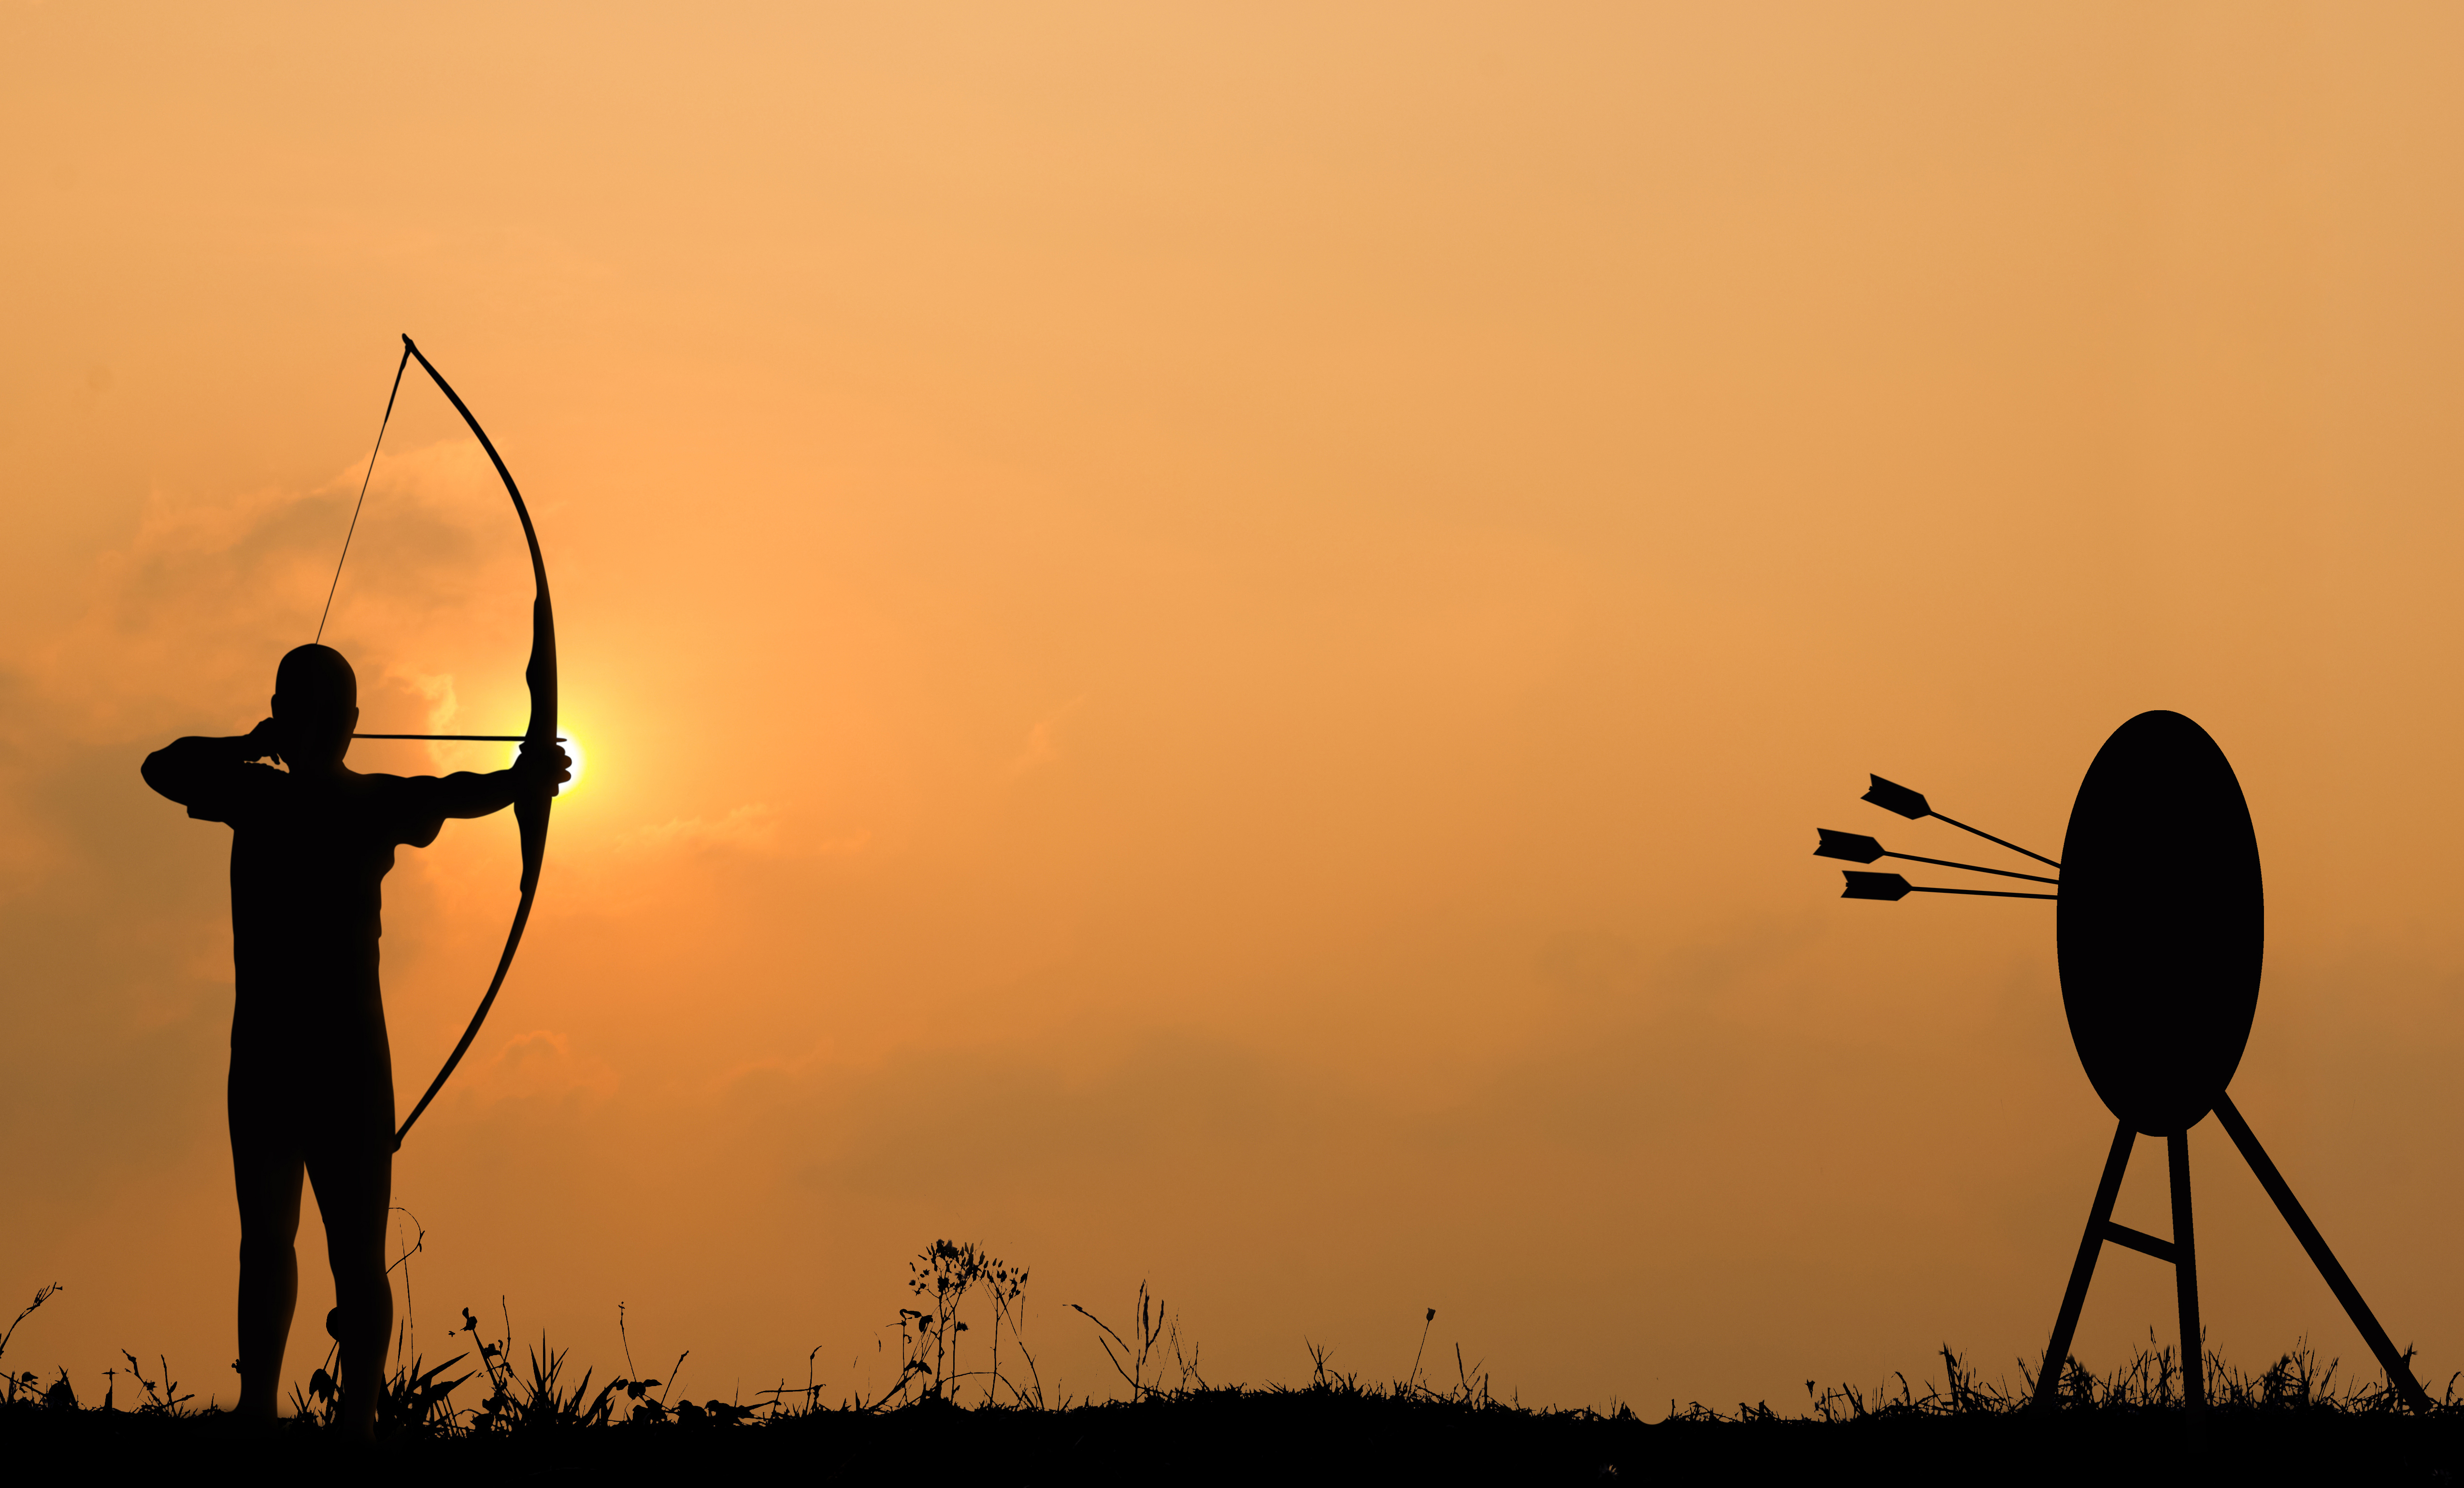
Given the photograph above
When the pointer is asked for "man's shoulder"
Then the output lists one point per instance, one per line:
(412, 807)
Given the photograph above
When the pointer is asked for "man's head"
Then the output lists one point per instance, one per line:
(315, 704)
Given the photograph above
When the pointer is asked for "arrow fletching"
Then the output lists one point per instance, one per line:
(1847, 846)
(1888, 886)
(1908, 803)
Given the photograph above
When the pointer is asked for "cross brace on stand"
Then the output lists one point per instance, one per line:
(2182, 1250)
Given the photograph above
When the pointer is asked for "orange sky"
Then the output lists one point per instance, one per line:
(1210, 639)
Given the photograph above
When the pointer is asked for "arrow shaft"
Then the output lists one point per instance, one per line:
(523, 738)
(1945, 863)
(1982, 893)
(1991, 837)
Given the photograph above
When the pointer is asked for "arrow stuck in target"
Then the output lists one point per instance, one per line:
(1912, 804)
(1891, 888)
(1856, 848)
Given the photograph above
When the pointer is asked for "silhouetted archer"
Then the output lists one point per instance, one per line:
(2159, 923)
(311, 1086)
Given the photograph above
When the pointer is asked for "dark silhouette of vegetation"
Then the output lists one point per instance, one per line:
(930, 1334)
(13, 1385)
(941, 1419)
(1138, 1358)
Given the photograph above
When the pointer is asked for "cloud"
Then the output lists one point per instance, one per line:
(540, 1064)
(182, 624)
(749, 828)
(1041, 745)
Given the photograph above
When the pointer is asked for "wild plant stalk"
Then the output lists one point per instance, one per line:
(1128, 1359)
(162, 1400)
(1007, 1289)
(811, 1390)
(1466, 1376)
(1151, 1325)
(637, 1391)
(942, 1277)
(409, 1328)
(1009, 1306)
(29, 1383)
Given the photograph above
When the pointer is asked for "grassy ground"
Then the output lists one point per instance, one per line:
(1315, 1434)
(483, 1415)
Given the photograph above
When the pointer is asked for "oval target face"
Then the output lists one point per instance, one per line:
(2161, 923)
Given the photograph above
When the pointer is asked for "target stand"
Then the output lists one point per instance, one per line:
(2160, 926)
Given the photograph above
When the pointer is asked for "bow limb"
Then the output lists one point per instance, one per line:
(531, 810)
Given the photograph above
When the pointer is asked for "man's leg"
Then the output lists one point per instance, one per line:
(265, 1169)
(355, 1195)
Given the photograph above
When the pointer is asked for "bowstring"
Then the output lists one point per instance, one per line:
(400, 367)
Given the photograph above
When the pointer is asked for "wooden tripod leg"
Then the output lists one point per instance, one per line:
(2186, 1275)
(2100, 1214)
(2399, 1373)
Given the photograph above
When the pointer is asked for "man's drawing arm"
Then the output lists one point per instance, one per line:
(198, 770)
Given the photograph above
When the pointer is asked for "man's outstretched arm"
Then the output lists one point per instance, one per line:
(186, 770)
(469, 793)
